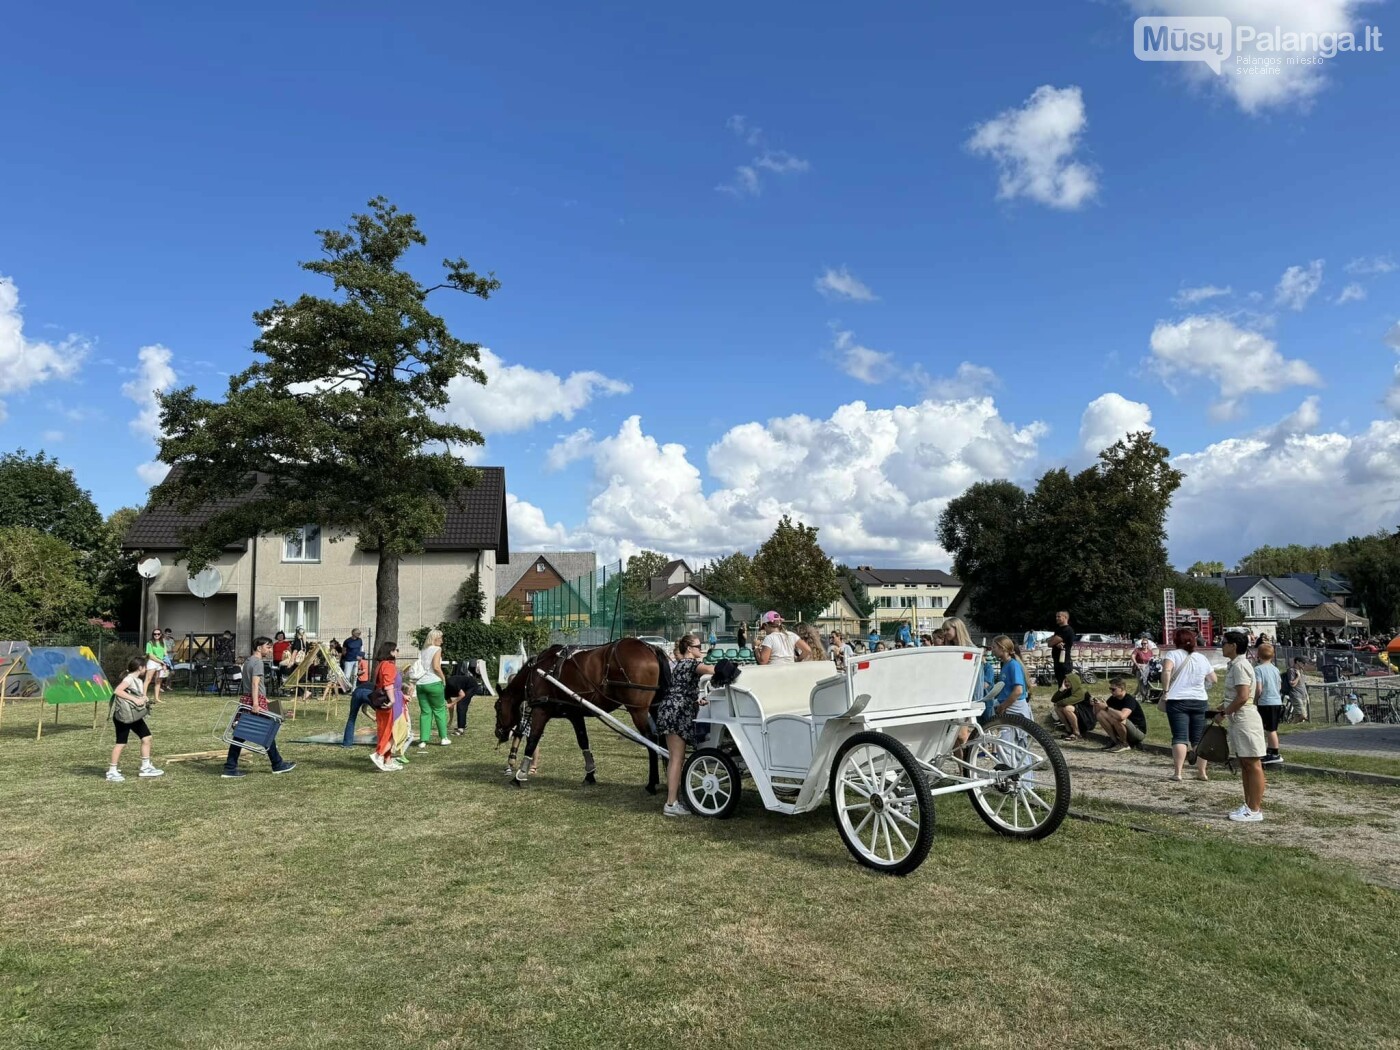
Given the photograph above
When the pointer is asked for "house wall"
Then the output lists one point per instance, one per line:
(532, 581)
(343, 582)
(932, 601)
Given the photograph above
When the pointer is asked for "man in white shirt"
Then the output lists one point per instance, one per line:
(779, 645)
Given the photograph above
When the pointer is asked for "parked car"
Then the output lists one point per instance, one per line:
(658, 641)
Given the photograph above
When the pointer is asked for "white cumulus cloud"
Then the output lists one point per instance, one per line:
(1034, 148)
(1352, 293)
(1192, 296)
(1371, 266)
(530, 530)
(873, 480)
(154, 375)
(1298, 284)
(569, 449)
(841, 284)
(746, 180)
(1108, 418)
(516, 398)
(1238, 360)
(25, 362)
(861, 362)
(968, 381)
(1290, 86)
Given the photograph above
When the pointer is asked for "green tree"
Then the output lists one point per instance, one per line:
(1371, 565)
(730, 579)
(1206, 568)
(357, 380)
(42, 587)
(794, 572)
(1196, 593)
(642, 612)
(981, 529)
(1280, 561)
(471, 600)
(117, 587)
(37, 493)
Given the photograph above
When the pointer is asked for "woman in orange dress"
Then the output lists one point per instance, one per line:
(386, 671)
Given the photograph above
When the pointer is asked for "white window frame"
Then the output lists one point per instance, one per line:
(300, 536)
(289, 623)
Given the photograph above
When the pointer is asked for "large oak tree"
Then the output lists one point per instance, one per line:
(338, 422)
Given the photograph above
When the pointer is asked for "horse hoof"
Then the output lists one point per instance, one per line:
(590, 779)
(651, 789)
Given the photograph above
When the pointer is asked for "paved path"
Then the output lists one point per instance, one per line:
(1381, 741)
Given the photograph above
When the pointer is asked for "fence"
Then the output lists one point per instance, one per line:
(1378, 698)
(587, 610)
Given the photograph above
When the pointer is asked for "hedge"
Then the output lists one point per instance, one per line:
(472, 640)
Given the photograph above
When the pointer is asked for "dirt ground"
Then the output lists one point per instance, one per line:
(1333, 819)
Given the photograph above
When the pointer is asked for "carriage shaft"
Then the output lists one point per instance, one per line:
(618, 727)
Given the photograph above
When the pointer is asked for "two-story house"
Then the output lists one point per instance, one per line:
(1269, 602)
(704, 615)
(316, 579)
(921, 596)
(528, 573)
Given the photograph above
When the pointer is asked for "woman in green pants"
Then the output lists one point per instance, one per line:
(432, 684)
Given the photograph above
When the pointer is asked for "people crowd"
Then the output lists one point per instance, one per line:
(1257, 693)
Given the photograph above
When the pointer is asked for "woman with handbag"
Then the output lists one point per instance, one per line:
(129, 708)
(381, 698)
(1185, 676)
(431, 683)
(675, 716)
(1244, 726)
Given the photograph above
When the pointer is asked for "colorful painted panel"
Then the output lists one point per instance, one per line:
(67, 675)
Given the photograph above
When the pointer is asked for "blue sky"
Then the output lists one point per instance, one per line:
(809, 258)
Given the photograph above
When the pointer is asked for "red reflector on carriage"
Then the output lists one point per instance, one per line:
(968, 656)
(862, 665)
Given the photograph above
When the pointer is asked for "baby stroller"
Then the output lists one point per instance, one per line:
(1150, 682)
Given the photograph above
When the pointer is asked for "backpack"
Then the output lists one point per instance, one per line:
(1214, 745)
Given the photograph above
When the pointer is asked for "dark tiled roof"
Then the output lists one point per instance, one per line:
(476, 522)
(889, 577)
(1238, 586)
(569, 565)
(1298, 592)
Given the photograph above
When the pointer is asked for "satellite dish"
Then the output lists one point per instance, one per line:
(148, 567)
(205, 583)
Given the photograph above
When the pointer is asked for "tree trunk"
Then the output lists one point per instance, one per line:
(386, 597)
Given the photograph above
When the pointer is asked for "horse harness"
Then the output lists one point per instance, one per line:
(596, 690)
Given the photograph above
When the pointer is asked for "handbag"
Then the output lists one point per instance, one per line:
(416, 671)
(127, 711)
(379, 698)
(1214, 745)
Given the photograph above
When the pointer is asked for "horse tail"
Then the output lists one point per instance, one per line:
(663, 678)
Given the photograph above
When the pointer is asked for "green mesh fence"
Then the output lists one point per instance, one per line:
(589, 609)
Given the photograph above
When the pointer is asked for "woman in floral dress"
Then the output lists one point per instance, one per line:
(675, 717)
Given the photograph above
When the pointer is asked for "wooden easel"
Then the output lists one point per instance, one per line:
(329, 691)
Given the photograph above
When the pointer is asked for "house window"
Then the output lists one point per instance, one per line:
(884, 602)
(1268, 606)
(938, 601)
(303, 544)
(1251, 607)
(301, 612)
(539, 566)
(692, 603)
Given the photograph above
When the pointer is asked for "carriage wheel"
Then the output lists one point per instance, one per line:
(710, 783)
(881, 803)
(1027, 805)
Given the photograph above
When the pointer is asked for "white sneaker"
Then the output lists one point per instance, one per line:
(378, 762)
(1245, 815)
(393, 766)
(114, 776)
(422, 745)
(151, 771)
(675, 809)
(444, 742)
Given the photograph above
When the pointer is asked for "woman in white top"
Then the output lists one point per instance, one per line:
(432, 696)
(1186, 674)
(779, 645)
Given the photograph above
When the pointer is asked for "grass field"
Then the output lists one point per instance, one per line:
(437, 908)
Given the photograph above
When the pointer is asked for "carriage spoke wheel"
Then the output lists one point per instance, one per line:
(1030, 792)
(710, 783)
(881, 803)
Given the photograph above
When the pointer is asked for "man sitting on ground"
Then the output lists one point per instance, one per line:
(1121, 717)
(1071, 688)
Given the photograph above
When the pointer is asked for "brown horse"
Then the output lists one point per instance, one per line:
(627, 673)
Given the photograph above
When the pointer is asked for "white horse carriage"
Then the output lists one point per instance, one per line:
(882, 741)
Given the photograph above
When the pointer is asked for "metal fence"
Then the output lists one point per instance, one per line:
(1377, 697)
(588, 610)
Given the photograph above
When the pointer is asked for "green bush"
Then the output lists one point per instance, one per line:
(115, 656)
(472, 639)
